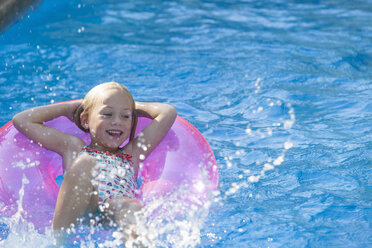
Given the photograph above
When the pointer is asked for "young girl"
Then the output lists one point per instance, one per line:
(100, 177)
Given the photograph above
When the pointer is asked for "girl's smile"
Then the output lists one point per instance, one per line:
(114, 133)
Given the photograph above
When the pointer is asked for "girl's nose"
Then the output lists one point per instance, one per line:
(116, 119)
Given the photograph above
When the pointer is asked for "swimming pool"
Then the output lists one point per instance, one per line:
(281, 83)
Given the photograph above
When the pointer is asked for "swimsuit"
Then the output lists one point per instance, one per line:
(116, 175)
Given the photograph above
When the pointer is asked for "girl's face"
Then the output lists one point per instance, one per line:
(110, 120)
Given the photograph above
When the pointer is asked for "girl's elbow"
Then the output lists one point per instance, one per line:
(20, 122)
(17, 121)
(172, 111)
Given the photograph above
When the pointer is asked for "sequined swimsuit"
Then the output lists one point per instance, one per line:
(116, 175)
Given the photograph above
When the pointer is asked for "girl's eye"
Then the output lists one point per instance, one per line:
(125, 116)
(107, 115)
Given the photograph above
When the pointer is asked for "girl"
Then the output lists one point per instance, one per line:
(100, 177)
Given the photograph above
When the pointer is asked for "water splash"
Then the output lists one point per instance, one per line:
(28, 164)
(22, 233)
(272, 163)
(175, 220)
(259, 132)
(163, 222)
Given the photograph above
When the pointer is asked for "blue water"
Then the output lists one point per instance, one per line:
(255, 77)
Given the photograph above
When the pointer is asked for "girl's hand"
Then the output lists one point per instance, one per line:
(72, 106)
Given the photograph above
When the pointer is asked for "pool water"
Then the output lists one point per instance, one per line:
(282, 91)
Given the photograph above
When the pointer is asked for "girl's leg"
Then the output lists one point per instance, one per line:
(122, 211)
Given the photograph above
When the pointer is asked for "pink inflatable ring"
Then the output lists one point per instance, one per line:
(182, 158)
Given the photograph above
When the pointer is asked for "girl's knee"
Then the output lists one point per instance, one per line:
(118, 204)
(134, 205)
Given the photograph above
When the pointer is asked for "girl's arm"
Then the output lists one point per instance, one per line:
(163, 116)
(30, 123)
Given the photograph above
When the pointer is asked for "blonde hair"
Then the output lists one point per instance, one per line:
(94, 96)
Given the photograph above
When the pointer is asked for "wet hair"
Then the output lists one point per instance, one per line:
(93, 97)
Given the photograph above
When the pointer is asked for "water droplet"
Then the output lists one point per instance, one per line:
(288, 145)
(279, 160)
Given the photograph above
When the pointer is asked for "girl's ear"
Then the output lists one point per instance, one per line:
(81, 120)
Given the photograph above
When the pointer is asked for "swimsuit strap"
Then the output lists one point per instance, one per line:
(121, 155)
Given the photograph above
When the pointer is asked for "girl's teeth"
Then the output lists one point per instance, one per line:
(114, 132)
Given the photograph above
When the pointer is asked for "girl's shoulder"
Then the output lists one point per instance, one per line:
(83, 161)
(128, 148)
(83, 164)
(133, 155)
